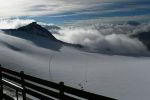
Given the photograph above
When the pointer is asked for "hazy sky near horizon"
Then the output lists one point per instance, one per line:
(64, 11)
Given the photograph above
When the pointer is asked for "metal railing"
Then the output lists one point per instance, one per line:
(41, 89)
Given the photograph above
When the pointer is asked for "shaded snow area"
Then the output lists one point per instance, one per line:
(117, 76)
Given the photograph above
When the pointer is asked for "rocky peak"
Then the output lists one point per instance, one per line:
(34, 28)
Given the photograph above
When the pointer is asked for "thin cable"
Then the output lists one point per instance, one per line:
(50, 74)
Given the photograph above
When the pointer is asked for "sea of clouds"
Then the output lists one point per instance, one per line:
(109, 38)
(106, 37)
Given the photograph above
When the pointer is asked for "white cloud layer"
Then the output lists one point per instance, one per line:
(106, 38)
(13, 24)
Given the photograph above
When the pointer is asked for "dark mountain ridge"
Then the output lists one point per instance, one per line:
(144, 37)
(36, 30)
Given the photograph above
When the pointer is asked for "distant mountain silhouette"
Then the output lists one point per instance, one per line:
(36, 29)
(144, 37)
(133, 23)
(51, 27)
(33, 29)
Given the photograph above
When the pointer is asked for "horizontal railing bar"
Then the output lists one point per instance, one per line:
(11, 78)
(42, 90)
(37, 95)
(10, 71)
(66, 97)
(11, 85)
(33, 79)
(48, 92)
(41, 81)
(84, 94)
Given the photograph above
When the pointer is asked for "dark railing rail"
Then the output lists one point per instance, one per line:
(41, 89)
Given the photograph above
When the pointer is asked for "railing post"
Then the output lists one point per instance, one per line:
(1, 84)
(23, 85)
(61, 90)
(17, 94)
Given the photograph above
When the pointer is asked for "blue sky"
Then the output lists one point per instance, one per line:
(66, 11)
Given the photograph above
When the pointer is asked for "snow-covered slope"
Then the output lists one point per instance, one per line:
(116, 76)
